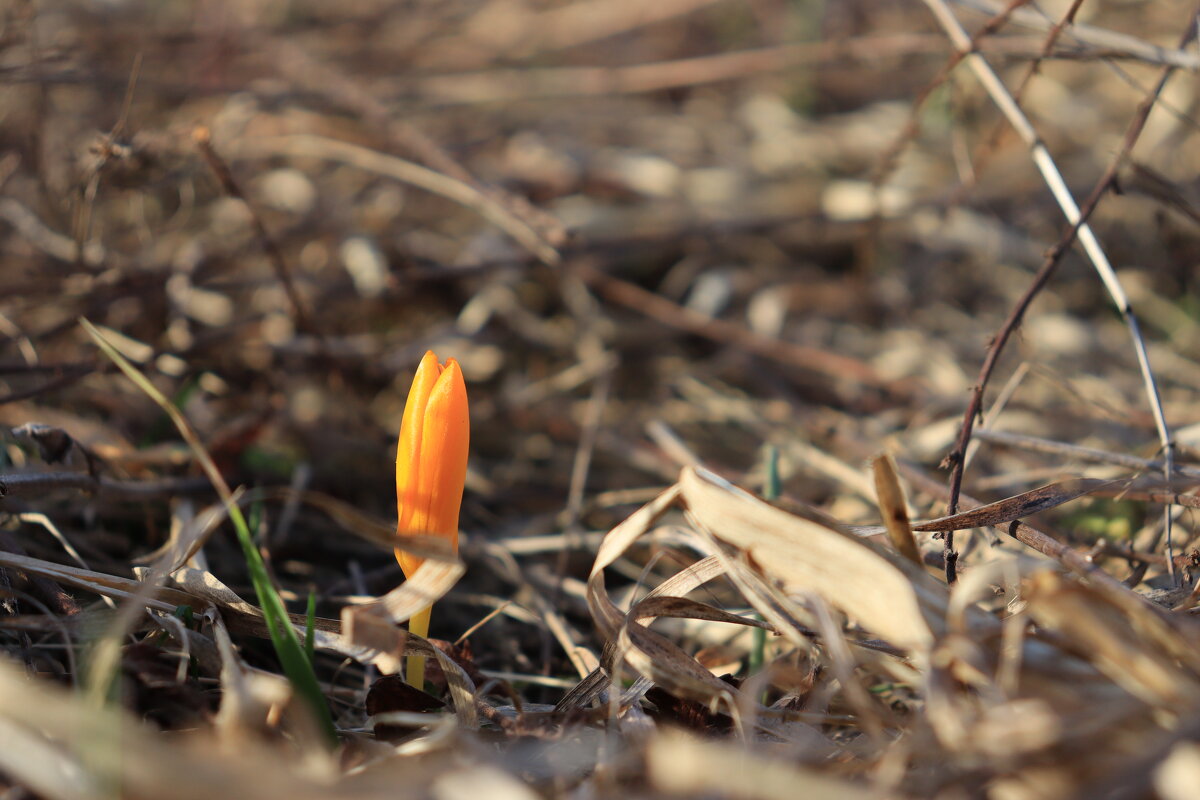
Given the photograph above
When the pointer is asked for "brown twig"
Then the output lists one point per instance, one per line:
(38, 483)
(1044, 543)
(1079, 228)
(67, 376)
(668, 313)
(993, 140)
(527, 83)
(1103, 38)
(224, 176)
(300, 66)
(886, 163)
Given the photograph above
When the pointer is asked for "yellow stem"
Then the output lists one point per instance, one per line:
(415, 666)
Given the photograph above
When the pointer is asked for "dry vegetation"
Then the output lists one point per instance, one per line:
(679, 247)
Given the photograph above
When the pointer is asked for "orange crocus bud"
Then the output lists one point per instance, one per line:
(431, 458)
(431, 467)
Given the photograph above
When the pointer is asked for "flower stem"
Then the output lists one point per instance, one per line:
(414, 673)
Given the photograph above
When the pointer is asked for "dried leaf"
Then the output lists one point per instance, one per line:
(1019, 506)
(887, 594)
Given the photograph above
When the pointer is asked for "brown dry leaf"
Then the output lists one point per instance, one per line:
(1019, 506)
(885, 593)
(1113, 638)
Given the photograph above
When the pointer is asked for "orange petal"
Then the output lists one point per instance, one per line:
(446, 437)
(431, 457)
(408, 449)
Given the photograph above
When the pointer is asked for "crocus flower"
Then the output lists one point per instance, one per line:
(431, 466)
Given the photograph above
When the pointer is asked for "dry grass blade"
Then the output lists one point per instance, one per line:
(1019, 506)
(651, 654)
(1119, 641)
(282, 632)
(208, 520)
(371, 635)
(162, 599)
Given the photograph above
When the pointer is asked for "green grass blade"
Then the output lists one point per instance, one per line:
(310, 629)
(288, 648)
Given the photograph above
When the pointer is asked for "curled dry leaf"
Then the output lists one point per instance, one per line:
(775, 558)
(885, 593)
(649, 653)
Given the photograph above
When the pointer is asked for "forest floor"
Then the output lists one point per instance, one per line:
(703, 264)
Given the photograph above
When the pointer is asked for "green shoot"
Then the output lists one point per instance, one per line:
(310, 629)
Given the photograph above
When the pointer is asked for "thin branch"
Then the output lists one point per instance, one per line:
(34, 484)
(1077, 217)
(1097, 37)
(1075, 451)
(891, 156)
(1074, 560)
(824, 362)
(224, 176)
(1034, 69)
(452, 188)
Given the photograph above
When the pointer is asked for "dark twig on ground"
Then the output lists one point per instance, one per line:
(229, 184)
